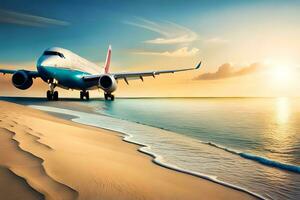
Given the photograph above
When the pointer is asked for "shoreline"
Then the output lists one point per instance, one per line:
(116, 156)
(145, 149)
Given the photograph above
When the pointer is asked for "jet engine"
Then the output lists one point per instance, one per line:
(107, 83)
(22, 80)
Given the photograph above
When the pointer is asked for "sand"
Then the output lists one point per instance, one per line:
(42, 156)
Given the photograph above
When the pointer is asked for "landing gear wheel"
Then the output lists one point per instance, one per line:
(107, 96)
(55, 96)
(52, 96)
(84, 94)
(87, 96)
(49, 95)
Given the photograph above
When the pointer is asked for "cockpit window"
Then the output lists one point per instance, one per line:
(53, 53)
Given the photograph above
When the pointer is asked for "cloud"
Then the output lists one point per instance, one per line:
(11, 17)
(182, 52)
(227, 70)
(216, 40)
(170, 32)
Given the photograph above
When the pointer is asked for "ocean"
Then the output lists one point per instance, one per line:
(251, 144)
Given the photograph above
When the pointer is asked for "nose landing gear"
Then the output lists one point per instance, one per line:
(51, 94)
(84, 94)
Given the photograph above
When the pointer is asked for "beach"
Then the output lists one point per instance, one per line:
(47, 157)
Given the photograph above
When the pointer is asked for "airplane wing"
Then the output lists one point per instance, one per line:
(7, 71)
(33, 74)
(139, 75)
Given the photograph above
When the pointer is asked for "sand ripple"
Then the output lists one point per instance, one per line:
(23, 163)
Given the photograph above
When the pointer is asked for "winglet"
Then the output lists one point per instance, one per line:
(107, 62)
(198, 66)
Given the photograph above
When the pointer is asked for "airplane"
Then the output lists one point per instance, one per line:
(62, 68)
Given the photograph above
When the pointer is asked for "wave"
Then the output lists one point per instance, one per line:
(272, 163)
(259, 159)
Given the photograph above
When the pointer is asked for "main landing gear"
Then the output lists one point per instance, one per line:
(84, 94)
(51, 94)
(109, 96)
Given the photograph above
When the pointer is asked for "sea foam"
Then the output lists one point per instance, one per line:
(259, 159)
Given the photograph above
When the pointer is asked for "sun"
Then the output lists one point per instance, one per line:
(282, 76)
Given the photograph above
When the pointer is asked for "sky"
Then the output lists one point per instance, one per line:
(248, 48)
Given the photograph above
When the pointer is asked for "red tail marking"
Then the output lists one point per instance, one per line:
(107, 62)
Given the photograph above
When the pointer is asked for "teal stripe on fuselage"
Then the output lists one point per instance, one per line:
(66, 78)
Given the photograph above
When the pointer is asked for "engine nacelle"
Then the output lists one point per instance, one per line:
(22, 80)
(107, 83)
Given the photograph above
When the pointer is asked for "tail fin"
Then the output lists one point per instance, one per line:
(107, 62)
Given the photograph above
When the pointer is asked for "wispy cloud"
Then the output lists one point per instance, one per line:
(216, 40)
(170, 32)
(182, 52)
(227, 70)
(11, 17)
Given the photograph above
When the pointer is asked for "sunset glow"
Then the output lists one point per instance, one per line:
(241, 55)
